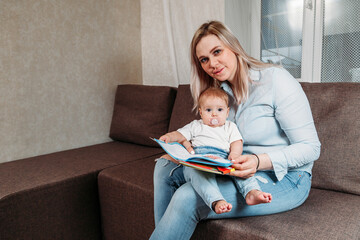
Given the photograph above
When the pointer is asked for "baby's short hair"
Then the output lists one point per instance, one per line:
(213, 92)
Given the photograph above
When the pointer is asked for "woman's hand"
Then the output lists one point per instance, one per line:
(245, 166)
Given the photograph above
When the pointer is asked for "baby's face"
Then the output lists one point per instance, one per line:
(214, 111)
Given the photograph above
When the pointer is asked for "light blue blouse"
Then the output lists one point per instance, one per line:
(276, 119)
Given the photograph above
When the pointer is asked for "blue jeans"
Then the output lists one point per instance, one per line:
(178, 208)
(205, 183)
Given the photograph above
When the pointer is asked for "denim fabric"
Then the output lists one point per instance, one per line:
(178, 208)
(205, 184)
(211, 151)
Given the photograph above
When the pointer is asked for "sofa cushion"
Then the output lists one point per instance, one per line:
(55, 196)
(141, 112)
(182, 114)
(336, 112)
(127, 212)
(126, 198)
(324, 215)
(49, 169)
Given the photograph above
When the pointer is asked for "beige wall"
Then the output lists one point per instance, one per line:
(60, 62)
(244, 19)
(167, 28)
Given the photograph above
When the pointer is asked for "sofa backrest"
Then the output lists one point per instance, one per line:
(141, 112)
(336, 112)
(182, 113)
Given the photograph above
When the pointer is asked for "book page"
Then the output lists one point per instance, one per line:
(176, 150)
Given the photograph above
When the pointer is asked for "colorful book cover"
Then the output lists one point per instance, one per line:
(203, 162)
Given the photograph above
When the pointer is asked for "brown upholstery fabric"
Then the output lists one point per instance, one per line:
(336, 111)
(126, 198)
(141, 112)
(182, 114)
(65, 210)
(127, 205)
(324, 215)
(55, 196)
(30, 173)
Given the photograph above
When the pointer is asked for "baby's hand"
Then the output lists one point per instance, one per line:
(165, 138)
(188, 146)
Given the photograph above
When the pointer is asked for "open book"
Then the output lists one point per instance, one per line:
(203, 162)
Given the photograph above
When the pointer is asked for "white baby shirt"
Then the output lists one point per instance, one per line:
(201, 134)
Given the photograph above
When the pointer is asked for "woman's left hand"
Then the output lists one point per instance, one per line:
(245, 166)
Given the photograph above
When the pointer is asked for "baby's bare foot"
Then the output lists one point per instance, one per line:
(222, 206)
(256, 197)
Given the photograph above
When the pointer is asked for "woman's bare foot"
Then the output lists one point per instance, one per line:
(256, 197)
(222, 206)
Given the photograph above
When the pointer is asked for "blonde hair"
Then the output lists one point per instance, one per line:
(200, 80)
(215, 93)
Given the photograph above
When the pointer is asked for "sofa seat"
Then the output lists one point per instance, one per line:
(324, 215)
(125, 197)
(127, 200)
(55, 196)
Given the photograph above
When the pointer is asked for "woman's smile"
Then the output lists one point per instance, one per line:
(218, 71)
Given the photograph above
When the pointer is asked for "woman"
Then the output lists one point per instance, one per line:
(273, 115)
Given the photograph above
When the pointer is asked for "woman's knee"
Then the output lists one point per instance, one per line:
(167, 172)
(160, 165)
(163, 167)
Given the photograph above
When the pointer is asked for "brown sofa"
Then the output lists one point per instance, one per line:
(105, 191)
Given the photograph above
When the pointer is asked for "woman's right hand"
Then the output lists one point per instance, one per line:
(245, 166)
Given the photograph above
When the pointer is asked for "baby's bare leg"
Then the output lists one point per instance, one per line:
(221, 206)
(256, 197)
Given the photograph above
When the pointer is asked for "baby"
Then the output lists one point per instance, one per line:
(215, 135)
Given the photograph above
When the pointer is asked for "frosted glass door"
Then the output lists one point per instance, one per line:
(340, 57)
(282, 33)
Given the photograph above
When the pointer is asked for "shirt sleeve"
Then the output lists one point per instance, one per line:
(188, 130)
(293, 113)
(234, 133)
